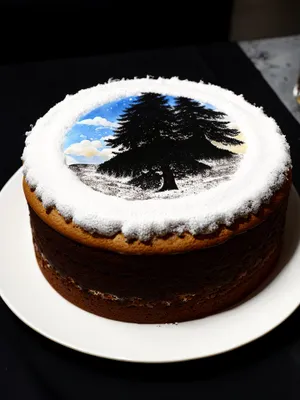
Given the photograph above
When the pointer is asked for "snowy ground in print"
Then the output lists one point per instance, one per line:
(220, 171)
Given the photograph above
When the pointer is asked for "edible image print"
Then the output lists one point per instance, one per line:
(153, 146)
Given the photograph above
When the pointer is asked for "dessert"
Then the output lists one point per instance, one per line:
(156, 200)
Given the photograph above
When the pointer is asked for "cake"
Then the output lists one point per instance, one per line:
(156, 200)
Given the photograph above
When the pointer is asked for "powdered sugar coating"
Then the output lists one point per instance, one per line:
(261, 171)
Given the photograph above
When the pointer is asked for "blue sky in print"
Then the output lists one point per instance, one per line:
(85, 142)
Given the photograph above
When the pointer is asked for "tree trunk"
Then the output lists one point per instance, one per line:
(168, 179)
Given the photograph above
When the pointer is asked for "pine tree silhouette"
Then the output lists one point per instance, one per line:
(156, 143)
(145, 141)
(200, 125)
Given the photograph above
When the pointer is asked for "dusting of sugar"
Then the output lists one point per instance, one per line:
(260, 172)
(119, 186)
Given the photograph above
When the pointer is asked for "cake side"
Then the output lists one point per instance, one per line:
(162, 288)
(186, 307)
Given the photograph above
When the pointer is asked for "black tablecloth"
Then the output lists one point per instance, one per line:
(32, 366)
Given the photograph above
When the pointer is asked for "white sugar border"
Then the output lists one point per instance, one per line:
(261, 171)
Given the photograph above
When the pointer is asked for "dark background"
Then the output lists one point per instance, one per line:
(32, 30)
(37, 30)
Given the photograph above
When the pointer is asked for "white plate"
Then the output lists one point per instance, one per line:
(32, 299)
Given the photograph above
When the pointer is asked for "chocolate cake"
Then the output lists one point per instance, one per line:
(156, 200)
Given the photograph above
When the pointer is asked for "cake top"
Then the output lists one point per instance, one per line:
(148, 157)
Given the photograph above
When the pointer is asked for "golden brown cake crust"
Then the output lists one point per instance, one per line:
(167, 245)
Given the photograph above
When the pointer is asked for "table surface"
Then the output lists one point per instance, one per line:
(278, 60)
(34, 367)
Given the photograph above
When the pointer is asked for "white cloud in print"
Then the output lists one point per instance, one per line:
(98, 121)
(84, 148)
(106, 154)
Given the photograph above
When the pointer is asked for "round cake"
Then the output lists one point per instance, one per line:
(156, 200)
